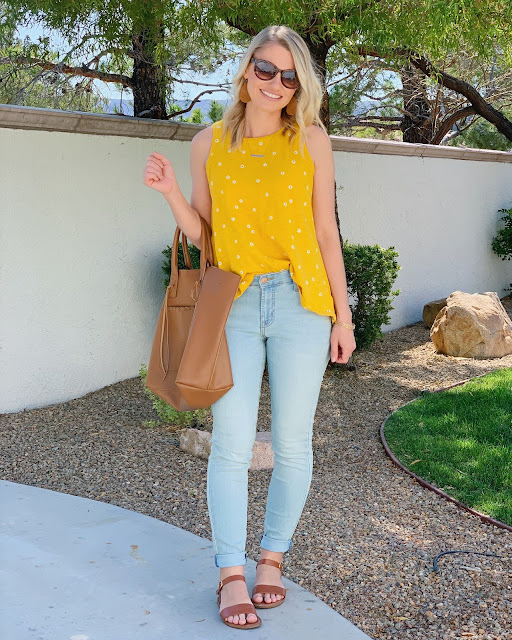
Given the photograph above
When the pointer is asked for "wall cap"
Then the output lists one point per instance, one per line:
(22, 117)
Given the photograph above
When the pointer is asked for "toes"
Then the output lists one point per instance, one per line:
(268, 598)
(272, 597)
(235, 619)
(241, 619)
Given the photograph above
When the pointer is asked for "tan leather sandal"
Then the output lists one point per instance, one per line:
(236, 609)
(269, 588)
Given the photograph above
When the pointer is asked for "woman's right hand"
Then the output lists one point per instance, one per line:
(159, 173)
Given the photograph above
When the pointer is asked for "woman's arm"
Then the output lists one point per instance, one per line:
(200, 200)
(320, 150)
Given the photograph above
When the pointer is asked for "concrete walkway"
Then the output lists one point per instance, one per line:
(78, 569)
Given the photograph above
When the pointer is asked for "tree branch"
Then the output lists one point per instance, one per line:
(177, 113)
(447, 124)
(204, 84)
(84, 70)
(100, 55)
(477, 101)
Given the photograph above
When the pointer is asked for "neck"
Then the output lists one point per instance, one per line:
(260, 123)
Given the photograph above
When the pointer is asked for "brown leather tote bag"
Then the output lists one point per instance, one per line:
(189, 366)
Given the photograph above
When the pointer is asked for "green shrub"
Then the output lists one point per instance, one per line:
(502, 242)
(195, 259)
(371, 272)
(168, 413)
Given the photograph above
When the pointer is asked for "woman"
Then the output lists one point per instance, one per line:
(263, 177)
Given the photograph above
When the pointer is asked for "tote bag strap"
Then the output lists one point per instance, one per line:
(206, 247)
(173, 283)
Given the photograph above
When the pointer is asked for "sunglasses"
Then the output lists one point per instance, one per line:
(265, 70)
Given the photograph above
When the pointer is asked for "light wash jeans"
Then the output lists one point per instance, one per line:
(267, 319)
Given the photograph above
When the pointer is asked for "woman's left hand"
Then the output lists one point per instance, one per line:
(342, 343)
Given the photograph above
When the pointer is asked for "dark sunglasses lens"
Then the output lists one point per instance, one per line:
(289, 79)
(264, 70)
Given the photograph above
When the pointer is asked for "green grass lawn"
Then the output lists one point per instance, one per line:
(460, 440)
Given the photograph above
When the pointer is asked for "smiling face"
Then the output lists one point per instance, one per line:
(270, 95)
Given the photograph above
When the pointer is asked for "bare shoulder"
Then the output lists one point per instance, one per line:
(317, 139)
(319, 146)
(204, 135)
(201, 143)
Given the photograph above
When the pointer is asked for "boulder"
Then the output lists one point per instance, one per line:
(199, 443)
(473, 325)
(431, 309)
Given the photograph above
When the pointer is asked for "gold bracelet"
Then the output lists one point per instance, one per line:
(345, 324)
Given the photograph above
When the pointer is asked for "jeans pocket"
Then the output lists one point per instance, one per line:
(295, 286)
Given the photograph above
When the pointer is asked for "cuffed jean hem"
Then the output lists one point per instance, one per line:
(271, 544)
(230, 559)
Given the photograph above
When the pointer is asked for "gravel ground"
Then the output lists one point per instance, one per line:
(368, 533)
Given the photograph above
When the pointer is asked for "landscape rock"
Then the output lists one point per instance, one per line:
(473, 325)
(199, 443)
(431, 309)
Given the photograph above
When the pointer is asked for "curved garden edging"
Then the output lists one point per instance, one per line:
(426, 484)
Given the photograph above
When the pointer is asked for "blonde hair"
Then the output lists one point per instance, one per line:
(308, 95)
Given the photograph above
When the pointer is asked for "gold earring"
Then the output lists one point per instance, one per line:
(291, 107)
(244, 93)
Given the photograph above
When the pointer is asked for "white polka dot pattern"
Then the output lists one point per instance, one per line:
(261, 237)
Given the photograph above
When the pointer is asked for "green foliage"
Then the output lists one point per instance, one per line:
(216, 111)
(30, 87)
(195, 259)
(100, 36)
(502, 242)
(196, 116)
(370, 271)
(431, 27)
(483, 135)
(167, 413)
(347, 96)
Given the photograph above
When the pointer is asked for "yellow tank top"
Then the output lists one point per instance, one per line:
(262, 214)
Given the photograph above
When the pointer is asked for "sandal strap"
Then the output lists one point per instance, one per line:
(268, 588)
(229, 579)
(279, 565)
(236, 609)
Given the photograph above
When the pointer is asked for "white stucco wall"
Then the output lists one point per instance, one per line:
(440, 215)
(81, 241)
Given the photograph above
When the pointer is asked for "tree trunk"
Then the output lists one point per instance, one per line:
(148, 81)
(417, 124)
(319, 55)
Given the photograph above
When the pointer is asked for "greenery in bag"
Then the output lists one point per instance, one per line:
(502, 242)
(371, 272)
(167, 413)
(195, 259)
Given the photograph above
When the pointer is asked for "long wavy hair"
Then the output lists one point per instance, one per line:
(308, 94)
